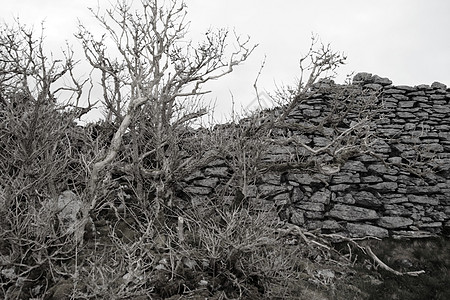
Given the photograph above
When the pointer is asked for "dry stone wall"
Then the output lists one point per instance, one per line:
(401, 188)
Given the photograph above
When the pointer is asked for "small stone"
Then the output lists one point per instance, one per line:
(352, 213)
(321, 197)
(312, 206)
(373, 86)
(217, 172)
(438, 86)
(365, 230)
(267, 190)
(394, 222)
(197, 190)
(354, 166)
(207, 182)
(366, 199)
(422, 199)
(381, 80)
(297, 218)
(362, 78)
(347, 199)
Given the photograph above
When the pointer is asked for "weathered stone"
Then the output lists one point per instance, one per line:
(321, 141)
(352, 213)
(422, 199)
(431, 225)
(331, 225)
(381, 80)
(405, 115)
(371, 179)
(312, 206)
(313, 214)
(68, 206)
(312, 113)
(345, 178)
(373, 86)
(397, 210)
(266, 190)
(195, 175)
(366, 199)
(394, 222)
(282, 199)
(384, 187)
(197, 190)
(438, 85)
(393, 91)
(339, 187)
(304, 179)
(207, 182)
(422, 190)
(362, 77)
(365, 230)
(381, 169)
(297, 218)
(439, 216)
(323, 196)
(354, 166)
(347, 199)
(297, 195)
(271, 178)
(217, 172)
(406, 104)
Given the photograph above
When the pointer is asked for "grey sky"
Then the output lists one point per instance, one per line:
(405, 40)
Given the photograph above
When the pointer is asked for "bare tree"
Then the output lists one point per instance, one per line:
(40, 153)
(152, 79)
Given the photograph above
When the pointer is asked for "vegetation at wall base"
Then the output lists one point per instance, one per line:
(105, 210)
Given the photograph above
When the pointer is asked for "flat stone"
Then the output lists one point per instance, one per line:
(365, 230)
(314, 214)
(394, 91)
(297, 195)
(385, 187)
(373, 86)
(394, 222)
(422, 199)
(312, 207)
(207, 182)
(297, 218)
(331, 225)
(354, 166)
(406, 104)
(371, 179)
(345, 178)
(271, 178)
(321, 197)
(304, 179)
(362, 77)
(431, 225)
(347, 199)
(381, 80)
(366, 199)
(282, 199)
(438, 86)
(339, 187)
(352, 213)
(217, 172)
(266, 190)
(197, 190)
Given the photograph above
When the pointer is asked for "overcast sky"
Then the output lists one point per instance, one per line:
(404, 40)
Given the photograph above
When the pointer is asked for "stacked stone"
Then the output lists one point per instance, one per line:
(403, 189)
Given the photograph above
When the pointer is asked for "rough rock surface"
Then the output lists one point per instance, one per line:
(376, 193)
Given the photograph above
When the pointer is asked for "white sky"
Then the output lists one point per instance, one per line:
(407, 41)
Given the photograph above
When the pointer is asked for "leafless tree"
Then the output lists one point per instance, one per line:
(152, 77)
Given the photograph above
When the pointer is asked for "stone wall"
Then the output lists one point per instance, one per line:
(400, 186)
